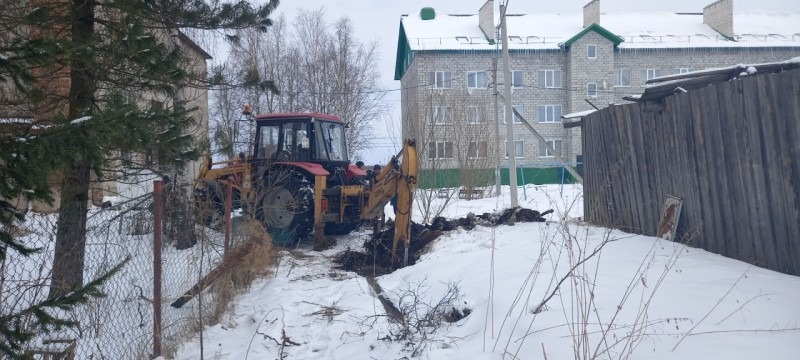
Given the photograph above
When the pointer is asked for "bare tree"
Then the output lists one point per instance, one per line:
(475, 147)
(277, 62)
(358, 99)
(429, 119)
(227, 110)
(317, 66)
(453, 130)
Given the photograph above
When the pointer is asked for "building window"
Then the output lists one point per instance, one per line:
(517, 119)
(442, 115)
(622, 77)
(518, 149)
(473, 115)
(476, 80)
(517, 80)
(681, 70)
(648, 74)
(477, 149)
(591, 51)
(544, 151)
(549, 78)
(549, 113)
(440, 150)
(591, 89)
(440, 79)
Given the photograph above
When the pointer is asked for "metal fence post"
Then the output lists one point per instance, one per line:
(158, 210)
(524, 185)
(228, 206)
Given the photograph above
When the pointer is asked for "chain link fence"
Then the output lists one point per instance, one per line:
(121, 324)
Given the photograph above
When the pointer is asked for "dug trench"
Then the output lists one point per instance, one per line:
(376, 258)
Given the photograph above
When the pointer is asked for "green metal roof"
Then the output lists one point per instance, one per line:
(598, 29)
(403, 50)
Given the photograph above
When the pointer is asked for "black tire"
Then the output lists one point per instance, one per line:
(287, 208)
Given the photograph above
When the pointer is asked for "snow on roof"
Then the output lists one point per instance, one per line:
(639, 30)
(578, 114)
(455, 32)
(671, 84)
(766, 23)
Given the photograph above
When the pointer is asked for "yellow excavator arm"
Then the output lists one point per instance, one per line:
(398, 178)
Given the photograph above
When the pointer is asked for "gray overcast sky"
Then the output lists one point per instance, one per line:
(379, 20)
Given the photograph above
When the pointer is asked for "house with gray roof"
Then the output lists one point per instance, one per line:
(560, 64)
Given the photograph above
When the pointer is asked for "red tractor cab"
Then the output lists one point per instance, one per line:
(311, 141)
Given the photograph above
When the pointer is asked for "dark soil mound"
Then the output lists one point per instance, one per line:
(377, 258)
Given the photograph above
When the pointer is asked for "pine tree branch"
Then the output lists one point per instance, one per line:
(14, 336)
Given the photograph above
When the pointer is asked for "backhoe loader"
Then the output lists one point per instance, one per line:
(297, 180)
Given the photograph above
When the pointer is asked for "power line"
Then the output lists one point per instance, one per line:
(461, 77)
(452, 79)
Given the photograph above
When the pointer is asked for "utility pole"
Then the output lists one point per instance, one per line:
(509, 115)
(498, 149)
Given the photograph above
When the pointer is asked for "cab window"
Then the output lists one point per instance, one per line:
(295, 142)
(331, 145)
(268, 143)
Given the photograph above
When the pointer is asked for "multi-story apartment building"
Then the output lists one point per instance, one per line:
(445, 63)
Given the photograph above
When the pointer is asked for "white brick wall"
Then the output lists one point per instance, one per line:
(719, 16)
(591, 13)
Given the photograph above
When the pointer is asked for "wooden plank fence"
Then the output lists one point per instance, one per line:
(731, 151)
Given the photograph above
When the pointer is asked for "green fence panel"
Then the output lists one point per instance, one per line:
(449, 178)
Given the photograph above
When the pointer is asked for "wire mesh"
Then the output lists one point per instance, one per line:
(119, 325)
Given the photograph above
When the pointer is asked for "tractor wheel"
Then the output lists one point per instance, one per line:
(287, 208)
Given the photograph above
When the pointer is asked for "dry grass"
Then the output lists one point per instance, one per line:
(259, 258)
(255, 264)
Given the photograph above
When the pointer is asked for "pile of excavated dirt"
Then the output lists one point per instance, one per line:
(377, 260)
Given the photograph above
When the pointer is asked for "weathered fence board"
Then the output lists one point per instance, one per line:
(792, 87)
(731, 151)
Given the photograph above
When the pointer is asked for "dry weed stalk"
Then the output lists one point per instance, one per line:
(567, 244)
(327, 312)
(415, 321)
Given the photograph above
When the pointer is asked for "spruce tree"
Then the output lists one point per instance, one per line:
(107, 50)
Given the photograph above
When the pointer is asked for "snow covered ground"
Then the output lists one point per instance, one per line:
(628, 296)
